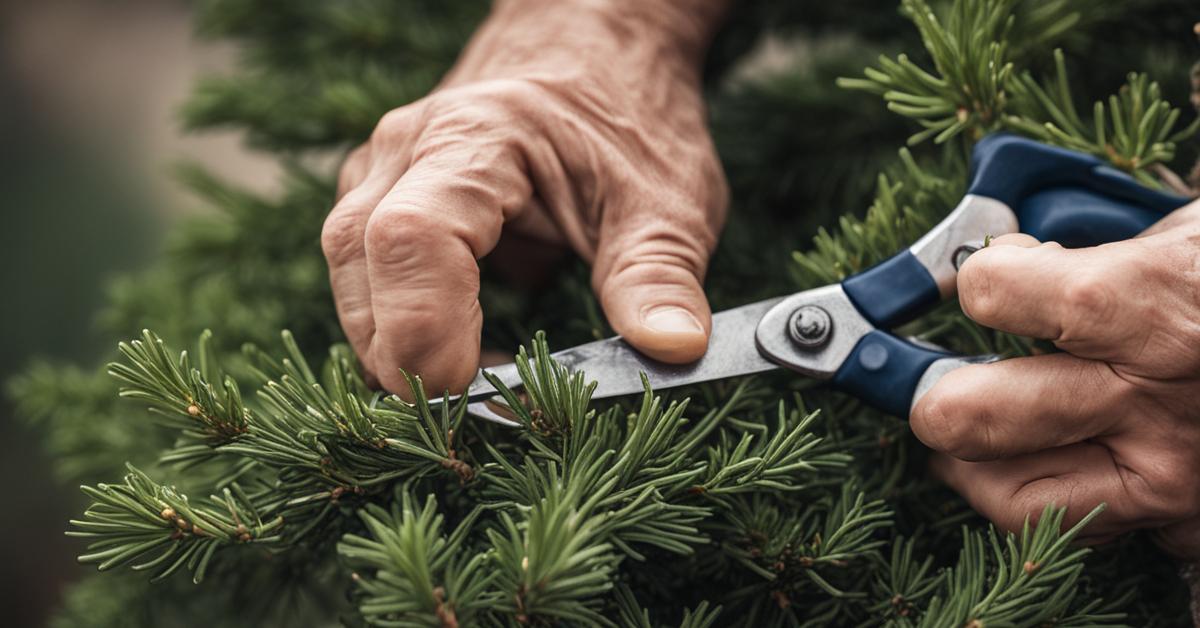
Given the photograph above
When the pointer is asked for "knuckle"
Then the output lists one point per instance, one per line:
(425, 319)
(976, 288)
(942, 422)
(1029, 503)
(494, 109)
(394, 126)
(515, 96)
(718, 193)
(695, 223)
(666, 254)
(1026, 507)
(391, 233)
(1166, 491)
(1007, 511)
(353, 166)
(417, 335)
(342, 234)
(419, 328)
(1088, 301)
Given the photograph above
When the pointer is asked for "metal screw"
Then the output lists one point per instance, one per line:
(810, 326)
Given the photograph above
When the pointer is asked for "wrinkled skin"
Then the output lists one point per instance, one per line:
(563, 124)
(1114, 419)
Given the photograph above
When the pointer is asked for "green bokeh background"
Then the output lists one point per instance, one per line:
(73, 215)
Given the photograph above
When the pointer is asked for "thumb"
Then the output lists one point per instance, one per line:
(649, 278)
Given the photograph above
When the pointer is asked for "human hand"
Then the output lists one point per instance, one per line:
(576, 123)
(1114, 419)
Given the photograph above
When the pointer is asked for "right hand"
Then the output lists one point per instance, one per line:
(562, 123)
(1114, 418)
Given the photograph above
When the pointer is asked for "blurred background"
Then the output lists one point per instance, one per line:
(88, 95)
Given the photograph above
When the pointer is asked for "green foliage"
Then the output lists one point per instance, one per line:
(758, 502)
(971, 54)
(83, 420)
(1136, 130)
(549, 531)
(900, 214)
(976, 88)
(409, 573)
(138, 518)
(1033, 583)
(321, 74)
(184, 395)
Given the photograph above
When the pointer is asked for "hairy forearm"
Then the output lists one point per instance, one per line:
(666, 37)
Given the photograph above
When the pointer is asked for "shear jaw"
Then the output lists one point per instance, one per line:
(812, 332)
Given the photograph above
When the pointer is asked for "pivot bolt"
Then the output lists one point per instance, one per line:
(810, 326)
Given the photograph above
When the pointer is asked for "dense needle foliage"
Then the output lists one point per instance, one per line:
(268, 485)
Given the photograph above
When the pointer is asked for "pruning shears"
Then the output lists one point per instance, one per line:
(839, 333)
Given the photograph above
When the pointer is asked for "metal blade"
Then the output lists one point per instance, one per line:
(616, 366)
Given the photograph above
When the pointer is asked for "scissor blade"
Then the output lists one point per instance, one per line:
(617, 367)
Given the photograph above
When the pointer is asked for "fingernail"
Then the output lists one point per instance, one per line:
(671, 319)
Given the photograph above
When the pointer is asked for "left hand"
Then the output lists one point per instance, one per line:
(1115, 419)
(563, 122)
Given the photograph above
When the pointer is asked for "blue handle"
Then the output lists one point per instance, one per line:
(1061, 195)
(884, 371)
(1077, 217)
(893, 292)
(1057, 194)
(1011, 169)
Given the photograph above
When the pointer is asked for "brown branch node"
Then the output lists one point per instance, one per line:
(444, 611)
(460, 468)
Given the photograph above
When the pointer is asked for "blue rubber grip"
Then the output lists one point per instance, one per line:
(893, 292)
(884, 371)
(1076, 217)
(1009, 168)
(1038, 181)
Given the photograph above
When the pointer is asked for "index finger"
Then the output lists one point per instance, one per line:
(1020, 406)
(1070, 296)
(422, 243)
(1077, 477)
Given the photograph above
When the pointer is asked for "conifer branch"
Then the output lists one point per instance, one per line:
(1028, 579)
(975, 88)
(409, 573)
(907, 204)
(775, 463)
(554, 566)
(632, 615)
(206, 415)
(140, 520)
(795, 551)
(1135, 130)
(969, 49)
(907, 584)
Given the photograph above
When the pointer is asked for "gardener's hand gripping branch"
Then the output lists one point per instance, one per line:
(1115, 418)
(563, 123)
